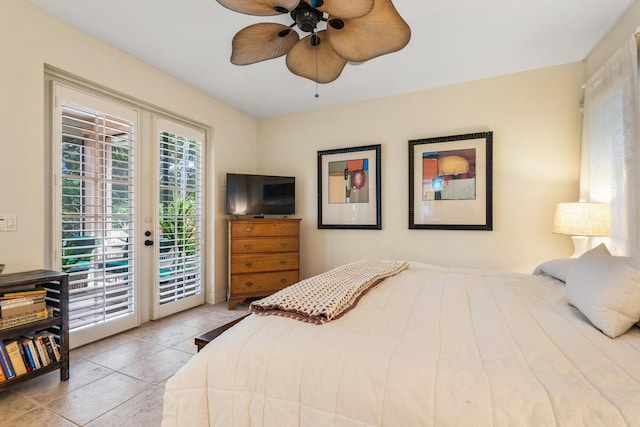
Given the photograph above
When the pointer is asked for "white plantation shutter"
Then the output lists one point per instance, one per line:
(180, 207)
(95, 195)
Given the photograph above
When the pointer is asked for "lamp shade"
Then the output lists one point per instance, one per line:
(582, 219)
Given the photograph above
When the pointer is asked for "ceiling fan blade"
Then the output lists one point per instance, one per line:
(259, 7)
(259, 42)
(380, 32)
(303, 58)
(350, 9)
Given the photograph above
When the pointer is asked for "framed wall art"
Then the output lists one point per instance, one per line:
(450, 182)
(349, 188)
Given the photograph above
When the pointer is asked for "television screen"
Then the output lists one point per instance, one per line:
(260, 194)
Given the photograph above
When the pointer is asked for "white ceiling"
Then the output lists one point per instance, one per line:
(452, 41)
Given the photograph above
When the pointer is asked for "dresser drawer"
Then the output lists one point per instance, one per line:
(262, 282)
(264, 228)
(248, 263)
(264, 244)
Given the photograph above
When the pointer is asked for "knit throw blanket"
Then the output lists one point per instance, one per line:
(329, 295)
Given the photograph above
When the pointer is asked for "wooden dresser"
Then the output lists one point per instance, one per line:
(263, 257)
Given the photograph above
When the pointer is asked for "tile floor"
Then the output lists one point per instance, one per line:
(118, 381)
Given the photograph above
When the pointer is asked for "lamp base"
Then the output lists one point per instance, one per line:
(579, 245)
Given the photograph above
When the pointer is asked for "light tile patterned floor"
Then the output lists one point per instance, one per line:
(118, 381)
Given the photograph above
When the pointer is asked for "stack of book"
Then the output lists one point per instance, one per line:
(19, 308)
(26, 354)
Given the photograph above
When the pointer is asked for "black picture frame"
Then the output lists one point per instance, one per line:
(444, 193)
(345, 174)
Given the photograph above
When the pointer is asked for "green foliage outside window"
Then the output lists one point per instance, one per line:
(177, 222)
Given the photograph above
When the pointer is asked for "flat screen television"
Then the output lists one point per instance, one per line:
(259, 195)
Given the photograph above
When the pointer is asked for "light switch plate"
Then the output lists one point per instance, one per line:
(8, 223)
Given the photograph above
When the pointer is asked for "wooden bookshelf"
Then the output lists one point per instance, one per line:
(57, 286)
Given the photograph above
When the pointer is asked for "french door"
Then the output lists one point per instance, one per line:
(94, 231)
(123, 254)
(180, 212)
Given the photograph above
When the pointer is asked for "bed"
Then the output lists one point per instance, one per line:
(428, 346)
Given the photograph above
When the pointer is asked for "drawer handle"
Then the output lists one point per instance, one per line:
(283, 228)
(248, 284)
(283, 245)
(248, 229)
(283, 280)
(247, 246)
(282, 262)
(248, 263)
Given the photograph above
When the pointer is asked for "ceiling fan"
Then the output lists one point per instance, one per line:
(340, 31)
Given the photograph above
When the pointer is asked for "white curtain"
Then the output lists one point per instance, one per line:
(610, 161)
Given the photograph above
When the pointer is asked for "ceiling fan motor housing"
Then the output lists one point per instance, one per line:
(306, 17)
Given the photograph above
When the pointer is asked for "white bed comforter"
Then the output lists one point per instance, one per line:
(429, 347)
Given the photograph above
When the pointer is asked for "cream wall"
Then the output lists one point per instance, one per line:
(29, 39)
(535, 119)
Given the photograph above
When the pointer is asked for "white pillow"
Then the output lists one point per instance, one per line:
(556, 268)
(606, 289)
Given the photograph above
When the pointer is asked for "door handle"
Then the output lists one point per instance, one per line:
(148, 242)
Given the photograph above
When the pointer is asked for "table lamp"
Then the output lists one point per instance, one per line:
(581, 220)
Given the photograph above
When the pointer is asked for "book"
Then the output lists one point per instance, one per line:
(24, 357)
(56, 348)
(16, 359)
(27, 352)
(48, 346)
(14, 302)
(34, 351)
(19, 294)
(3, 377)
(5, 363)
(23, 319)
(10, 311)
(55, 351)
(42, 350)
